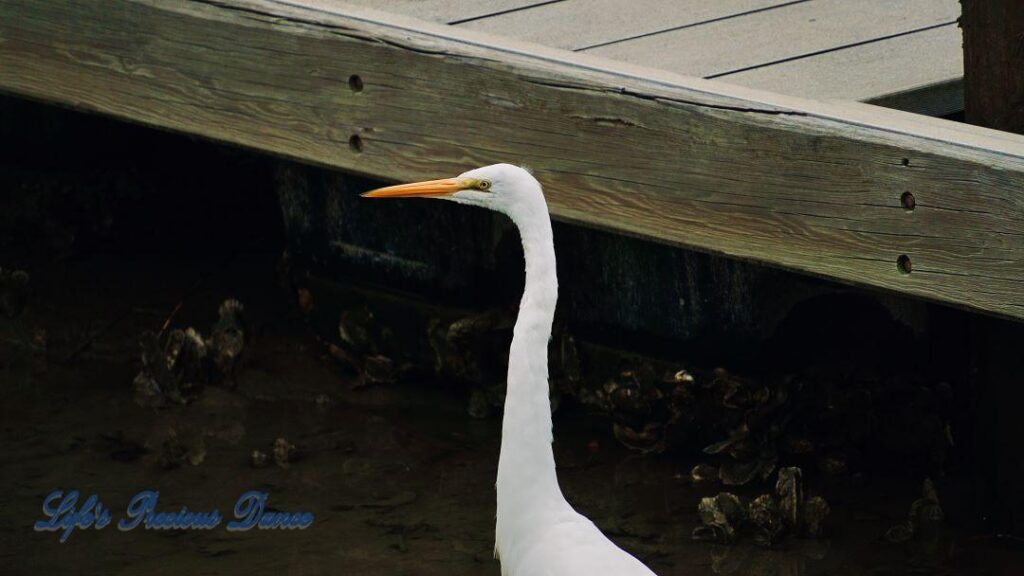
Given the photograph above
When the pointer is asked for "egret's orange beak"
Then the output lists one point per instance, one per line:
(434, 188)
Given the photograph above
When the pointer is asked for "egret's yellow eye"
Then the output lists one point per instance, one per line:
(484, 185)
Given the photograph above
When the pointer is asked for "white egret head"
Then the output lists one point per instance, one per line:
(504, 188)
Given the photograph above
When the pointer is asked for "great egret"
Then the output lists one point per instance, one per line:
(537, 532)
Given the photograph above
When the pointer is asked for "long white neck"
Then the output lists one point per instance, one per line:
(527, 486)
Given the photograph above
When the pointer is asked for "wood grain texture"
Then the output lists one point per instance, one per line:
(701, 38)
(578, 24)
(994, 62)
(803, 185)
(868, 71)
(444, 11)
(786, 32)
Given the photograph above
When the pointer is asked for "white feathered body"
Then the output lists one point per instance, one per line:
(537, 531)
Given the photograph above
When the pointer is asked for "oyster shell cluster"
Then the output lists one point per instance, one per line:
(925, 512)
(826, 417)
(748, 427)
(177, 366)
(283, 453)
(769, 517)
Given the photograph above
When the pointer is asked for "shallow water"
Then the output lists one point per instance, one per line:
(400, 478)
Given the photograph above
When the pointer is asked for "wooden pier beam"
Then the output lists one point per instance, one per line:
(850, 192)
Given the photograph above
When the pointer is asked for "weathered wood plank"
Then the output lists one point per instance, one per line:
(579, 24)
(786, 32)
(804, 185)
(743, 29)
(444, 11)
(863, 72)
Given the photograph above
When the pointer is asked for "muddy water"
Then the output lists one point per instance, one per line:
(399, 477)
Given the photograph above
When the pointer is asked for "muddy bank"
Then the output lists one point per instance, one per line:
(399, 476)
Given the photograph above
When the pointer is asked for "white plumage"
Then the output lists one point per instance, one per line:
(537, 532)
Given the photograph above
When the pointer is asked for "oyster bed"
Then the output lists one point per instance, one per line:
(399, 474)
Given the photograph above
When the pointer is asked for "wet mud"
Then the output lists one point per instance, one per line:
(399, 475)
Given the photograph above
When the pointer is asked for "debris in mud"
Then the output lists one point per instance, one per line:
(721, 517)
(924, 512)
(766, 518)
(815, 511)
(639, 405)
(163, 367)
(358, 331)
(182, 434)
(284, 453)
(177, 367)
(341, 355)
(703, 474)
(379, 369)
(368, 347)
(227, 338)
(304, 299)
(179, 448)
(323, 401)
(770, 517)
(471, 348)
(259, 459)
(14, 292)
(648, 440)
(790, 491)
